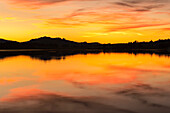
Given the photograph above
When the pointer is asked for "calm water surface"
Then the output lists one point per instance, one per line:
(92, 83)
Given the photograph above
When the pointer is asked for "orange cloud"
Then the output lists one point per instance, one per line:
(137, 26)
(114, 21)
(34, 4)
(94, 16)
(168, 29)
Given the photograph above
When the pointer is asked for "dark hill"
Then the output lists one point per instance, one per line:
(49, 40)
(2, 41)
(5, 44)
(48, 43)
(63, 44)
(58, 43)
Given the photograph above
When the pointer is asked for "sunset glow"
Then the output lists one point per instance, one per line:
(104, 21)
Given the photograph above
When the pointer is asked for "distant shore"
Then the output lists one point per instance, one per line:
(61, 45)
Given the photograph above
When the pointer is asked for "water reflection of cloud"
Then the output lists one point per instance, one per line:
(123, 68)
(4, 81)
(86, 78)
(38, 101)
(143, 93)
(138, 80)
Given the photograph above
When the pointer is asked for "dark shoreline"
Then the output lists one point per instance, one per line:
(150, 51)
(59, 44)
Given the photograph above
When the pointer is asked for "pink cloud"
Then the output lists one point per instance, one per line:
(112, 16)
(137, 26)
(35, 4)
(116, 20)
(28, 93)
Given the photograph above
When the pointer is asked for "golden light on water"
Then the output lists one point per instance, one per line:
(111, 79)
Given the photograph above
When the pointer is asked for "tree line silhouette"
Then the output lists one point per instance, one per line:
(63, 44)
(47, 48)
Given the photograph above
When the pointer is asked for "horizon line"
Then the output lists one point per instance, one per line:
(3, 38)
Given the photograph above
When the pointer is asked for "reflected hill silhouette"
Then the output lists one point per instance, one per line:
(47, 55)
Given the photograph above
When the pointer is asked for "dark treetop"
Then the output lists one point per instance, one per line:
(63, 44)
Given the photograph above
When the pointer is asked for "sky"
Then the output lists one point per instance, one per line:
(104, 21)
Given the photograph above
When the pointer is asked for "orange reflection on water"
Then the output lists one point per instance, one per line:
(5, 81)
(124, 80)
(91, 69)
(101, 68)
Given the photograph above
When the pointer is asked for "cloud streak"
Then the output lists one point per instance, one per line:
(107, 15)
(141, 5)
(35, 4)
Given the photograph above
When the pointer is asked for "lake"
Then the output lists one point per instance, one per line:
(91, 83)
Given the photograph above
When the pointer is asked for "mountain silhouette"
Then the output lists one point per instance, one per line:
(3, 41)
(48, 40)
(8, 44)
(48, 43)
(47, 48)
(161, 46)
